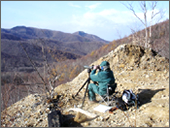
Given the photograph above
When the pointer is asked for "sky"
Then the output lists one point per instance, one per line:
(109, 20)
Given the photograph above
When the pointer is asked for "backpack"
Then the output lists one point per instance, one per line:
(129, 98)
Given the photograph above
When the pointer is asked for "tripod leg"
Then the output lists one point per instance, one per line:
(85, 93)
(82, 86)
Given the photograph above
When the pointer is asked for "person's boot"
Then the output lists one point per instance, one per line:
(93, 101)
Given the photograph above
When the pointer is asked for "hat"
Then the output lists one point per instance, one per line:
(105, 65)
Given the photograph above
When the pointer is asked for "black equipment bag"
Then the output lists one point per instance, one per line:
(55, 119)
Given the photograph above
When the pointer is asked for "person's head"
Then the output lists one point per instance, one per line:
(105, 65)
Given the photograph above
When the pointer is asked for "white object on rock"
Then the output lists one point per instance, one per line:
(102, 108)
(91, 115)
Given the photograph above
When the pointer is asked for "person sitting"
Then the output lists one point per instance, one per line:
(103, 78)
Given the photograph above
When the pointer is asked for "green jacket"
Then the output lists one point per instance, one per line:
(103, 78)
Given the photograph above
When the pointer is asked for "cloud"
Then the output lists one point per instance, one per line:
(74, 5)
(102, 18)
(93, 6)
(105, 23)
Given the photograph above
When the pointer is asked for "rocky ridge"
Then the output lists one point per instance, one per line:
(134, 67)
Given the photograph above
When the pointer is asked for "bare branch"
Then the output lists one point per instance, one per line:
(34, 66)
(130, 7)
(56, 77)
(143, 6)
(153, 5)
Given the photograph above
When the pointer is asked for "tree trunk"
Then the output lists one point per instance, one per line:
(146, 37)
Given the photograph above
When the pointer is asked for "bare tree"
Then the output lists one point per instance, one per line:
(144, 8)
(48, 87)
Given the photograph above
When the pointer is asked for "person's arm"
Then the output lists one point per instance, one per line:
(95, 76)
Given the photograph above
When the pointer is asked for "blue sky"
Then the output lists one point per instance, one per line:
(109, 20)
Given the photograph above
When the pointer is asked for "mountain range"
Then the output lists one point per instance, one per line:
(57, 45)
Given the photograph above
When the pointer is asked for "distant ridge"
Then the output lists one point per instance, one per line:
(63, 45)
(90, 36)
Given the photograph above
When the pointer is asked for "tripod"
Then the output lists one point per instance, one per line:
(86, 82)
